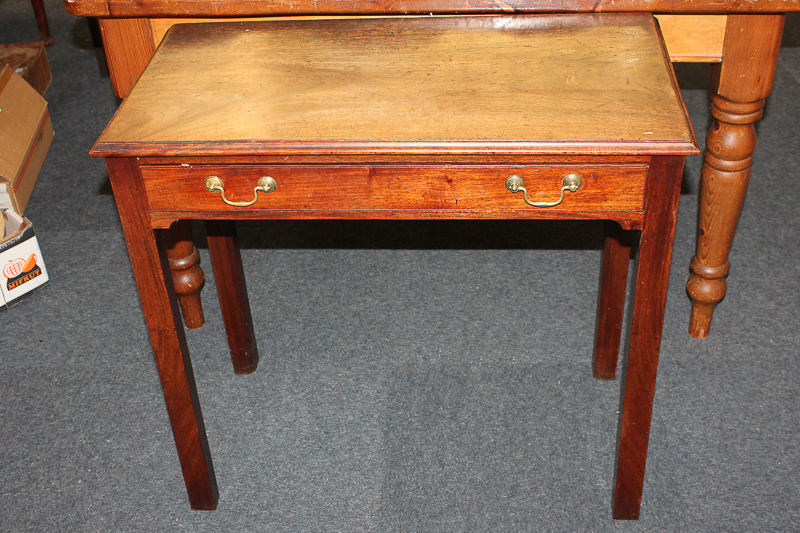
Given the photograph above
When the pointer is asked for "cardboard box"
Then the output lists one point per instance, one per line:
(29, 60)
(21, 263)
(25, 137)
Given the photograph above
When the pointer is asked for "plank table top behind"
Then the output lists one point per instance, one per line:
(255, 8)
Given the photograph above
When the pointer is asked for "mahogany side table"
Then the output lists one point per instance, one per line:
(526, 117)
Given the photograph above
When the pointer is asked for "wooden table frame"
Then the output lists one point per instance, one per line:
(148, 252)
(740, 38)
(167, 161)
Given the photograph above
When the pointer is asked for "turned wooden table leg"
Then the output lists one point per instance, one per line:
(611, 300)
(187, 275)
(726, 173)
(160, 305)
(652, 276)
(743, 80)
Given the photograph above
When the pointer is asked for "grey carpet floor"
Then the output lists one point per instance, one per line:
(414, 377)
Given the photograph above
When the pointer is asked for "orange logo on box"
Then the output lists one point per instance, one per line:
(18, 271)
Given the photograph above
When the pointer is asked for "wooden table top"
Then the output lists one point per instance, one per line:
(426, 85)
(254, 8)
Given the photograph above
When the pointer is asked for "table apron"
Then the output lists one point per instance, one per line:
(607, 191)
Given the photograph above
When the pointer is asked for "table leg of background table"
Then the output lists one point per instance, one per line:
(97, 42)
(129, 45)
(187, 276)
(228, 273)
(611, 300)
(743, 80)
(652, 276)
(160, 306)
(41, 22)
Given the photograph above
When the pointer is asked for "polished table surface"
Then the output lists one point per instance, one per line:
(286, 87)
(524, 117)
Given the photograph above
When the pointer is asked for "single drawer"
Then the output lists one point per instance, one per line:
(393, 188)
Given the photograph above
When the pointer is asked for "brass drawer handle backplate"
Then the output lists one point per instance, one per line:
(571, 182)
(266, 184)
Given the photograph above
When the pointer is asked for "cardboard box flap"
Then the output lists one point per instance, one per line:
(17, 229)
(22, 111)
(22, 270)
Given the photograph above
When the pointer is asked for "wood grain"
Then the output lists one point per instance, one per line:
(611, 301)
(187, 275)
(462, 83)
(250, 8)
(652, 277)
(129, 46)
(743, 81)
(160, 306)
(232, 290)
(750, 53)
(370, 188)
(160, 26)
(726, 172)
(689, 38)
(693, 38)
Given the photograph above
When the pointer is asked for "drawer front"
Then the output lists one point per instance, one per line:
(354, 188)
